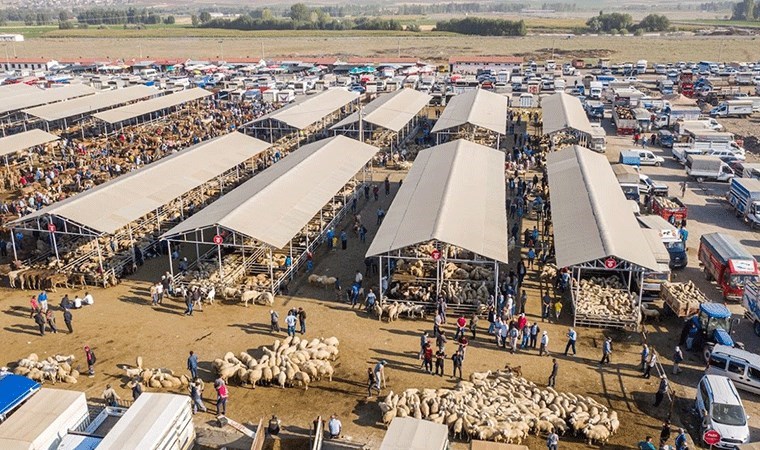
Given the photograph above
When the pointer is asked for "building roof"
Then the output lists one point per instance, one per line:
(477, 107)
(486, 59)
(408, 433)
(454, 193)
(563, 111)
(148, 419)
(590, 216)
(114, 204)
(311, 109)
(82, 106)
(276, 204)
(44, 96)
(390, 111)
(49, 411)
(381, 60)
(21, 141)
(13, 90)
(138, 109)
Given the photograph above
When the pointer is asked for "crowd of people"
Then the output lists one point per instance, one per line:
(44, 315)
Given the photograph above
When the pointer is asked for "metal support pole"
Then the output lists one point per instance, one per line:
(55, 246)
(271, 271)
(13, 242)
(169, 248)
(132, 243)
(219, 256)
(100, 261)
(380, 279)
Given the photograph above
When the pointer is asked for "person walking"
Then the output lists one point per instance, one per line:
(91, 360)
(606, 351)
(552, 441)
(380, 373)
(290, 322)
(572, 336)
(440, 358)
(274, 320)
(371, 382)
(67, 317)
(644, 357)
(137, 389)
(192, 365)
(39, 319)
(557, 309)
(50, 318)
(661, 391)
(544, 344)
(456, 360)
(301, 320)
(684, 185)
(196, 391)
(677, 359)
(553, 374)
(652, 362)
(221, 397)
(427, 358)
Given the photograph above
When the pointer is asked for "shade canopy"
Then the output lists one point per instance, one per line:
(408, 433)
(562, 111)
(477, 107)
(44, 97)
(89, 104)
(311, 109)
(150, 106)
(454, 193)
(390, 111)
(21, 141)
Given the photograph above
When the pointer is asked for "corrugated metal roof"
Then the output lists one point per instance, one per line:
(408, 433)
(562, 111)
(311, 109)
(276, 204)
(43, 414)
(44, 96)
(590, 215)
(13, 90)
(148, 419)
(454, 193)
(476, 107)
(149, 106)
(112, 205)
(27, 139)
(101, 100)
(390, 111)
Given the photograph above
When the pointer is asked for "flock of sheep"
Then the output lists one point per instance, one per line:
(156, 378)
(606, 298)
(293, 360)
(56, 368)
(502, 407)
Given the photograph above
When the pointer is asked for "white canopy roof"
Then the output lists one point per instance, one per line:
(150, 417)
(13, 90)
(21, 141)
(138, 109)
(112, 205)
(276, 204)
(92, 103)
(454, 193)
(311, 109)
(390, 111)
(477, 107)
(43, 97)
(562, 111)
(590, 216)
(408, 433)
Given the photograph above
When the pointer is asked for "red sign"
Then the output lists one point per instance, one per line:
(218, 239)
(51, 227)
(436, 254)
(610, 263)
(711, 437)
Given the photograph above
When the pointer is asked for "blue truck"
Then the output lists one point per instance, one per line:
(744, 197)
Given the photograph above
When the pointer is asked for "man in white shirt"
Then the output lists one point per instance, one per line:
(77, 302)
(359, 277)
(334, 426)
(88, 300)
(290, 321)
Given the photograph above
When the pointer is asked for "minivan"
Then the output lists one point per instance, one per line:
(741, 366)
(718, 398)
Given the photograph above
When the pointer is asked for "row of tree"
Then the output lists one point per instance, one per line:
(483, 27)
(745, 10)
(617, 22)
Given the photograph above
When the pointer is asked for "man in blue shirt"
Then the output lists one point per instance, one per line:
(334, 426)
(572, 336)
(681, 443)
(606, 351)
(192, 365)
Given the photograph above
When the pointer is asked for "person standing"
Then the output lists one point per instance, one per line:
(437, 324)
(301, 320)
(196, 391)
(67, 320)
(684, 185)
(572, 336)
(343, 240)
(221, 397)
(427, 358)
(91, 360)
(424, 339)
(552, 441)
(544, 344)
(681, 440)
(557, 309)
(371, 382)
(652, 362)
(290, 322)
(546, 304)
(274, 319)
(647, 444)
(440, 358)
(606, 351)
(553, 374)
(39, 319)
(50, 318)
(644, 357)
(677, 359)
(661, 391)
(137, 389)
(456, 360)
(380, 373)
(474, 324)
(192, 365)
(665, 433)
(461, 326)
(334, 426)
(110, 396)
(42, 300)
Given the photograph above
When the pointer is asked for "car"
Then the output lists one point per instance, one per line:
(720, 408)
(726, 154)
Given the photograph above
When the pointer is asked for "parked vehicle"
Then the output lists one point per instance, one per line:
(669, 116)
(740, 366)
(649, 186)
(669, 237)
(733, 108)
(751, 303)
(640, 158)
(744, 196)
(598, 141)
(695, 126)
(594, 109)
(727, 262)
(653, 280)
(755, 102)
(668, 208)
(726, 155)
(717, 396)
(704, 167)
(628, 178)
(595, 90)
(665, 139)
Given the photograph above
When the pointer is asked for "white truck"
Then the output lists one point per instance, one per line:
(744, 197)
(733, 108)
(598, 141)
(751, 303)
(595, 90)
(704, 167)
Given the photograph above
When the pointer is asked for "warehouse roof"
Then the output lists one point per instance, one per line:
(276, 204)
(390, 111)
(101, 100)
(311, 109)
(454, 193)
(112, 205)
(45, 413)
(477, 107)
(16, 89)
(408, 433)
(150, 106)
(563, 111)
(43, 97)
(22, 141)
(146, 422)
(590, 216)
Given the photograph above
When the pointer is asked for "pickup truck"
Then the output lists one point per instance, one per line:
(648, 186)
(703, 167)
(666, 207)
(640, 158)
(744, 197)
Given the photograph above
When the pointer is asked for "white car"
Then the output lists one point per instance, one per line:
(718, 398)
(727, 154)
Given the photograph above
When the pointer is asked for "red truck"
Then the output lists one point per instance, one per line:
(686, 83)
(727, 262)
(670, 206)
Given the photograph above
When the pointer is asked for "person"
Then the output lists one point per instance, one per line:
(661, 391)
(681, 440)
(461, 324)
(343, 240)
(424, 339)
(684, 185)
(652, 362)
(110, 396)
(358, 278)
(644, 357)
(513, 338)
(290, 322)
(137, 389)
(647, 444)
(196, 390)
(683, 233)
(192, 365)
(274, 426)
(546, 303)
(440, 357)
(380, 373)
(544, 344)
(456, 360)
(371, 382)
(427, 358)
(89, 300)
(334, 426)
(42, 300)
(572, 336)
(67, 317)
(34, 306)
(474, 324)
(534, 329)
(275, 321)
(221, 397)
(552, 441)
(302, 320)
(371, 298)
(665, 432)
(553, 375)
(437, 324)
(39, 319)
(90, 358)
(677, 359)
(557, 309)
(606, 351)
(50, 318)
(463, 343)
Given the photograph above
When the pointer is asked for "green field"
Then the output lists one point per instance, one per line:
(720, 23)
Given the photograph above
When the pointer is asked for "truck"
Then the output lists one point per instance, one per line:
(704, 167)
(16, 390)
(755, 102)
(682, 299)
(727, 262)
(640, 158)
(665, 86)
(665, 139)
(624, 120)
(689, 127)
(744, 197)
(667, 207)
(669, 237)
(686, 83)
(598, 141)
(649, 186)
(732, 108)
(670, 115)
(595, 90)
(594, 109)
(751, 303)
(628, 178)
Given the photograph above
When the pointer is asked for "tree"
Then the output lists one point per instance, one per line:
(194, 20)
(169, 20)
(63, 16)
(654, 22)
(205, 16)
(300, 13)
(65, 25)
(606, 23)
(744, 10)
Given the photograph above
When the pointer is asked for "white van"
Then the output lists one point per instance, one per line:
(717, 396)
(741, 366)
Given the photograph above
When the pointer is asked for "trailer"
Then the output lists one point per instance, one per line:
(667, 207)
(744, 197)
(679, 305)
(624, 120)
(728, 262)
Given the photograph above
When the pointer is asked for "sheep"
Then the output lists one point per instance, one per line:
(598, 433)
(266, 298)
(479, 376)
(647, 313)
(304, 379)
(249, 295)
